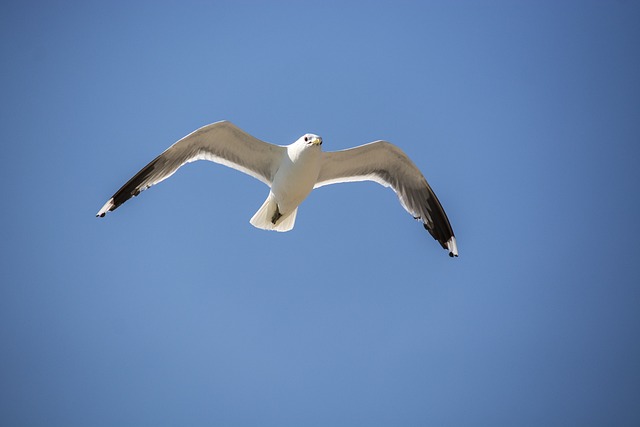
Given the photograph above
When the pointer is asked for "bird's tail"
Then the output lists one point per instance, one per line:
(269, 217)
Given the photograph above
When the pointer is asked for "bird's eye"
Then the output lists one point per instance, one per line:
(306, 139)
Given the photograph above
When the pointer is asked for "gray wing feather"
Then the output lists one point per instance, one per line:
(389, 166)
(220, 142)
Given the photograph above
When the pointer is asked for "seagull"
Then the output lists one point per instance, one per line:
(292, 171)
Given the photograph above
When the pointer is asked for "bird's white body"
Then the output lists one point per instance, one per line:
(297, 175)
(292, 183)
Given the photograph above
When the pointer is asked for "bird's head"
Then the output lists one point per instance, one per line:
(310, 139)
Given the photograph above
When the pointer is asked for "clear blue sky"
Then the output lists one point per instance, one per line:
(174, 310)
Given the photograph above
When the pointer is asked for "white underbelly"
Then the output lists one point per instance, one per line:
(294, 181)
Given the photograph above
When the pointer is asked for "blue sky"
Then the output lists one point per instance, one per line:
(174, 310)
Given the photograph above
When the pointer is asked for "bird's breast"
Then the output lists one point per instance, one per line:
(295, 179)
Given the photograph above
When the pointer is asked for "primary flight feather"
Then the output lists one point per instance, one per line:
(294, 170)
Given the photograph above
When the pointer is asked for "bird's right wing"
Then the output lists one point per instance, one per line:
(388, 165)
(220, 142)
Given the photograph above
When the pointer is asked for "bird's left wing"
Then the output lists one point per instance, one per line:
(220, 142)
(389, 166)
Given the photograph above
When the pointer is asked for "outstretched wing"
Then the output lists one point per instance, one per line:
(388, 165)
(220, 142)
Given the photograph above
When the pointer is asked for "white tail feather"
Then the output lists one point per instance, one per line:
(287, 222)
(262, 218)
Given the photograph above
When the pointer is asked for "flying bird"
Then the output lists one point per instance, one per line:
(292, 171)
